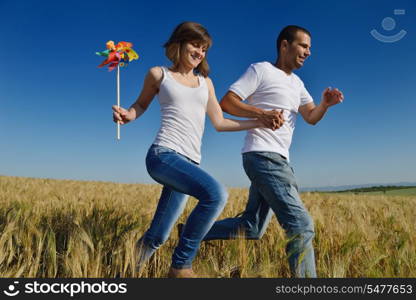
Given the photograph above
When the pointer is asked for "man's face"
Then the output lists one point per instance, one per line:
(299, 50)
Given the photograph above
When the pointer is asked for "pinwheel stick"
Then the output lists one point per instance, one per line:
(117, 55)
(118, 100)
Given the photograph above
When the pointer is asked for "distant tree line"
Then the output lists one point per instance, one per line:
(380, 188)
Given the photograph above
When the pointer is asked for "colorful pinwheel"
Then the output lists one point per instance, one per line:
(118, 56)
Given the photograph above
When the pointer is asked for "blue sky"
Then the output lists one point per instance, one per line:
(55, 116)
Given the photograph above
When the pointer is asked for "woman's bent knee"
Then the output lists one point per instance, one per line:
(217, 196)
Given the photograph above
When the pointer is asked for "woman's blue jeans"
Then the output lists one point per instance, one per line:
(273, 189)
(180, 177)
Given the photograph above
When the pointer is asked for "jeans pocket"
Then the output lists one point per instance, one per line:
(156, 149)
(159, 158)
(254, 165)
(153, 157)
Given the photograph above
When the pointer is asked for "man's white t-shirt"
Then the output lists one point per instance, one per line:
(266, 86)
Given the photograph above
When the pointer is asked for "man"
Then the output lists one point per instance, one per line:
(267, 88)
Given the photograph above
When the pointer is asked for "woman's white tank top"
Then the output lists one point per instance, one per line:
(183, 112)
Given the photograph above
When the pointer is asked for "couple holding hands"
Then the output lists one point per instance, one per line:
(186, 94)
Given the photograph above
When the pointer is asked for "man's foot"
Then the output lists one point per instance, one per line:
(181, 273)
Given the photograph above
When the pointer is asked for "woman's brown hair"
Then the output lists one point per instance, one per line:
(188, 32)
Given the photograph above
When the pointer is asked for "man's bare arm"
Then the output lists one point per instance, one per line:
(232, 103)
(312, 114)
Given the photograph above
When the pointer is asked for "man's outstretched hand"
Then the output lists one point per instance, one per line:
(331, 97)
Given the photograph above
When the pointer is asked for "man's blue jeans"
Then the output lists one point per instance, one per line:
(180, 177)
(273, 189)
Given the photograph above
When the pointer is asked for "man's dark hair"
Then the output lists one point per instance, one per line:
(289, 33)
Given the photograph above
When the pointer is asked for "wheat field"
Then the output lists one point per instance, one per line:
(63, 228)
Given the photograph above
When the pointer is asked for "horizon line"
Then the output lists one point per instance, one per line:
(155, 183)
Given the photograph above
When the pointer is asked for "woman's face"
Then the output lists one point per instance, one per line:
(193, 53)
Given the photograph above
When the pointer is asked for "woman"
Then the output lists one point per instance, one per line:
(185, 94)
